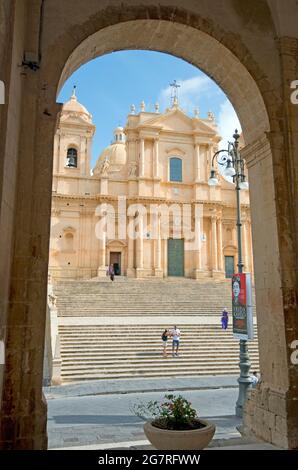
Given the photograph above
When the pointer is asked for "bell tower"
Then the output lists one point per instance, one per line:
(73, 140)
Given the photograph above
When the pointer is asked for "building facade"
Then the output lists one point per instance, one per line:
(146, 207)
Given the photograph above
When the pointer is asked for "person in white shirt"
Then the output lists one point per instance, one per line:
(176, 341)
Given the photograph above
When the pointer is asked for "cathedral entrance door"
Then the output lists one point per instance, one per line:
(115, 260)
(229, 266)
(175, 257)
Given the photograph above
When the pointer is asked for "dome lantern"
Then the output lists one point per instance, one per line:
(119, 135)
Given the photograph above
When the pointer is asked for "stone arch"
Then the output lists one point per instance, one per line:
(73, 152)
(253, 78)
(190, 44)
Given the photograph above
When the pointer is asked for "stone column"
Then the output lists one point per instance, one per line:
(142, 158)
(157, 255)
(140, 247)
(130, 251)
(214, 244)
(165, 257)
(271, 411)
(23, 413)
(220, 253)
(101, 272)
(197, 252)
(155, 159)
(88, 154)
(197, 263)
(156, 176)
(197, 170)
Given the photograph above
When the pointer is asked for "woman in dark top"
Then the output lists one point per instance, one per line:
(164, 338)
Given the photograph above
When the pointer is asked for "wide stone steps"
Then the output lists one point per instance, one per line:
(164, 372)
(134, 297)
(94, 351)
(101, 352)
(190, 358)
(144, 358)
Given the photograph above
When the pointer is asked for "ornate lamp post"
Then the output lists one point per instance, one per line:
(233, 166)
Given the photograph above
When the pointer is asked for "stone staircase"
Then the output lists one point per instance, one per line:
(132, 297)
(98, 343)
(112, 352)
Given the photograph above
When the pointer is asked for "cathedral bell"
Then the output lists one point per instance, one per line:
(71, 161)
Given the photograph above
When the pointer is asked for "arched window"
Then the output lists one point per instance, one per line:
(72, 158)
(175, 169)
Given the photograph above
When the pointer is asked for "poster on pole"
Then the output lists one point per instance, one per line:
(242, 306)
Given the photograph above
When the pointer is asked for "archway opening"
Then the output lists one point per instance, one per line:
(229, 72)
(173, 151)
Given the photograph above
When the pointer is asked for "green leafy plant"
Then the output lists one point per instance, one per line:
(174, 412)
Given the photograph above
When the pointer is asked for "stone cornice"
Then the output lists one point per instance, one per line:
(218, 205)
(76, 176)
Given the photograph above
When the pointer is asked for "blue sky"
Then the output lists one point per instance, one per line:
(108, 85)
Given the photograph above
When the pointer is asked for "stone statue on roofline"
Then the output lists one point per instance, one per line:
(132, 171)
(104, 167)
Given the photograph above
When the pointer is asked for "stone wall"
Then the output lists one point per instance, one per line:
(253, 57)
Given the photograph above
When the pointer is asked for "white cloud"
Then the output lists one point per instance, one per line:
(189, 93)
(227, 123)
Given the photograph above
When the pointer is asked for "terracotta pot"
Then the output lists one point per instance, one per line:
(165, 439)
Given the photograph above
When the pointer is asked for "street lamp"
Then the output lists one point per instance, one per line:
(233, 166)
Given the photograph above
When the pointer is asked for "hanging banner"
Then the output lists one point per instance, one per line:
(242, 306)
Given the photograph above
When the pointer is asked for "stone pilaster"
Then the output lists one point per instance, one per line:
(101, 272)
(157, 255)
(271, 411)
(214, 244)
(130, 251)
(197, 169)
(142, 158)
(140, 247)
(219, 245)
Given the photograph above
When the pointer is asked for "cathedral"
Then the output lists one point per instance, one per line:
(250, 51)
(146, 194)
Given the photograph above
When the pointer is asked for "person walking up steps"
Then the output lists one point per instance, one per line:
(176, 341)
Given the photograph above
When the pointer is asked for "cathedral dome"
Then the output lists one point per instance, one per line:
(113, 157)
(72, 106)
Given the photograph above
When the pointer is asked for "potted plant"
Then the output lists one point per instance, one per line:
(173, 424)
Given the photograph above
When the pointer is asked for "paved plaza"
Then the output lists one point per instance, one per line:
(98, 415)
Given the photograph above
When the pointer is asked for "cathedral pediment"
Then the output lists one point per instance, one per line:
(74, 119)
(177, 121)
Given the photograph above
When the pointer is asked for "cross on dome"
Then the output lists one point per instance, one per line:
(74, 96)
(174, 93)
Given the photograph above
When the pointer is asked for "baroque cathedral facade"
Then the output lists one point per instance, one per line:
(143, 197)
